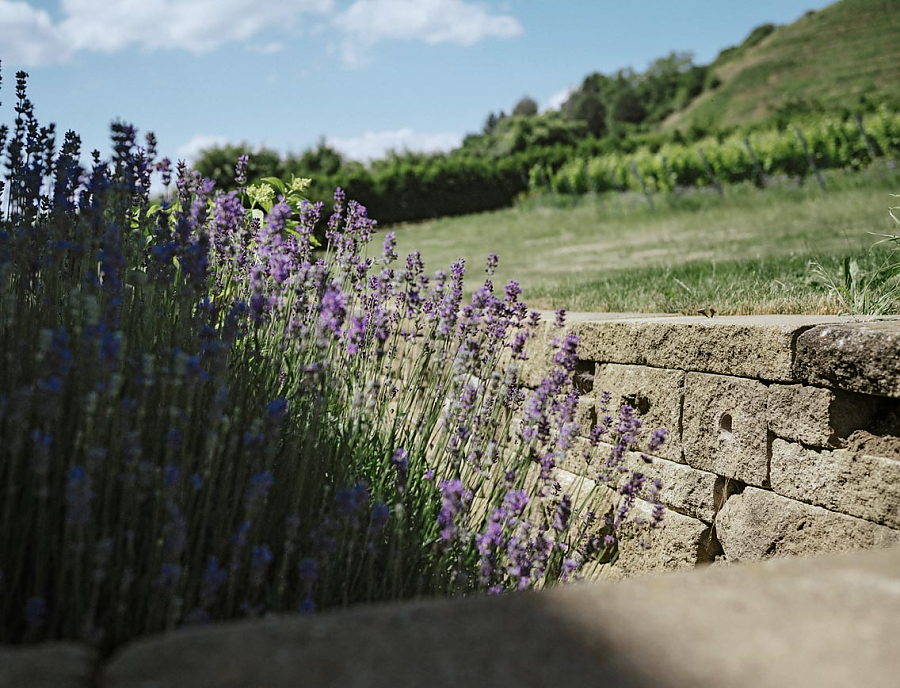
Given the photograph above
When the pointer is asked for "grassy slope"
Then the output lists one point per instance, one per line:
(835, 55)
(747, 253)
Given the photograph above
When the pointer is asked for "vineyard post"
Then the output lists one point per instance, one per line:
(637, 173)
(760, 175)
(809, 158)
(669, 175)
(709, 171)
(868, 141)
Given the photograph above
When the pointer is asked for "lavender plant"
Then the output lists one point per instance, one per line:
(204, 418)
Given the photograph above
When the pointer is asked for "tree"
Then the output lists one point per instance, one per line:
(526, 107)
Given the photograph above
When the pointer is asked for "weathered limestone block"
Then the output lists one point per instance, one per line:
(859, 357)
(725, 427)
(815, 415)
(750, 626)
(758, 524)
(687, 490)
(586, 414)
(539, 353)
(840, 480)
(681, 542)
(747, 346)
(47, 665)
(655, 393)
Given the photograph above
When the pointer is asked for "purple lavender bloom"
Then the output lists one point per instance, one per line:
(491, 263)
(355, 335)
(400, 459)
(277, 408)
(240, 170)
(389, 253)
(351, 500)
(562, 514)
(334, 310)
(380, 514)
(169, 576)
(260, 559)
(515, 501)
(78, 496)
(657, 438)
(35, 611)
(560, 320)
(171, 474)
(258, 489)
(309, 570)
(455, 501)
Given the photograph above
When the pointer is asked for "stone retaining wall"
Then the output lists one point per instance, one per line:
(784, 431)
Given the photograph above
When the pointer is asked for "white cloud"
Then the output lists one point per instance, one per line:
(29, 37)
(375, 144)
(268, 48)
(193, 25)
(557, 99)
(190, 150)
(366, 22)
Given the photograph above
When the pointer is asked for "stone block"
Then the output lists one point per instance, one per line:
(803, 623)
(539, 353)
(681, 542)
(47, 665)
(687, 490)
(840, 480)
(760, 347)
(586, 414)
(859, 357)
(724, 427)
(656, 394)
(817, 416)
(759, 524)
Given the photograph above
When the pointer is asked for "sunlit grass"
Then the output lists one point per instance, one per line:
(748, 252)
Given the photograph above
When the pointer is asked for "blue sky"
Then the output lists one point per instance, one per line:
(364, 74)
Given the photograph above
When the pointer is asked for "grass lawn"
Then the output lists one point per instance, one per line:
(746, 253)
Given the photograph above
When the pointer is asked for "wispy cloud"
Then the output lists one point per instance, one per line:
(30, 37)
(190, 150)
(376, 144)
(367, 22)
(556, 101)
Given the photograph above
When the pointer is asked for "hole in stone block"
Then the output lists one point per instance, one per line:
(723, 489)
(584, 376)
(725, 432)
(708, 547)
(638, 402)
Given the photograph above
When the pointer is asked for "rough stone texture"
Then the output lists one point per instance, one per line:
(758, 524)
(48, 665)
(539, 353)
(655, 393)
(802, 623)
(815, 415)
(687, 490)
(725, 427)
(586, 414)
(680, 543)
(860, 357)
(839, 480)
(759, 347)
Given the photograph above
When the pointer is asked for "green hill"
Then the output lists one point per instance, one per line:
(830, 58)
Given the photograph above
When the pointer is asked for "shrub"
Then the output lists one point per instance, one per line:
(203, 420)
